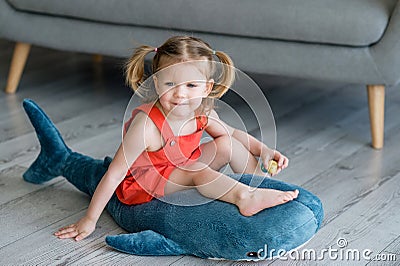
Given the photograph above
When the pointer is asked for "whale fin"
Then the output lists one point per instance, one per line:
(145, 243)
(53, 151)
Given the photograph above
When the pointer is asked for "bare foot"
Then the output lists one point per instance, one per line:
(257, 200)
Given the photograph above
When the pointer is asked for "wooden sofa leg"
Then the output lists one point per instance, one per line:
(376, 103)
(97, 58)
(21, 52)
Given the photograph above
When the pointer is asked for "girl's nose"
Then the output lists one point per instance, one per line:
(180, 91)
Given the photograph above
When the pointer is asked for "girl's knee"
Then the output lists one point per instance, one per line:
(224, 146)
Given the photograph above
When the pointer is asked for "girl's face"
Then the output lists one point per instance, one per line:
(181, 88)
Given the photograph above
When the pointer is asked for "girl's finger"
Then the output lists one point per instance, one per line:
(280, 162)
(278, 171)
(286, 162)
(66, 230)
(283, 166)
(65, 227)
(81, 236)
(68, 235)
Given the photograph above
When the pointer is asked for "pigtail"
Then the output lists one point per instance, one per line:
(134, 68)
(227, 76)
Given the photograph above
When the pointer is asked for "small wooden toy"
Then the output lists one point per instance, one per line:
(272, 167)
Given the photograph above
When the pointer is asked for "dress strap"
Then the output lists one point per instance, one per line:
(202, 121)
(156, 116)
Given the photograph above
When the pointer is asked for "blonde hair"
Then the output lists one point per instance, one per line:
(175, 50)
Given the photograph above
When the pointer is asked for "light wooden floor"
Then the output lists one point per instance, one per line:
(322, 127)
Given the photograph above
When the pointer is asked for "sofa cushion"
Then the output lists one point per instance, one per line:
(341, 22)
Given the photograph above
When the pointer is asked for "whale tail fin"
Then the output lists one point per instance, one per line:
(53, 150)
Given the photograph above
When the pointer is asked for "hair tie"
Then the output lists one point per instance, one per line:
(214, 52)
(155, 49)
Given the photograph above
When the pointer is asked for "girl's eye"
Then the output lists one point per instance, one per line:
(191, 85)
(170, 84)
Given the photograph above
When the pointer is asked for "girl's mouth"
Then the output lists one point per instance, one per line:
(180, 104)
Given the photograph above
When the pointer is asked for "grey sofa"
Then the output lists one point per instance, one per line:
(354, 41)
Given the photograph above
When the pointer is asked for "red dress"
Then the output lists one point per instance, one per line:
(148, 175)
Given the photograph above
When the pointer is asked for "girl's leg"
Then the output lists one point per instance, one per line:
(213, 184)
(224, 150)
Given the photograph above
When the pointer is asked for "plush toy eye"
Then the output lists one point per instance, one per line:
(252, 254)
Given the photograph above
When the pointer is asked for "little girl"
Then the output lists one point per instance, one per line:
(161, 152)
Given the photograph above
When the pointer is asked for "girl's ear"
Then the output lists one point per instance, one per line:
(155, 80)
(209, 86)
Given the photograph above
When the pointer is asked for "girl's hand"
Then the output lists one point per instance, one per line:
(78, 231)
(282, 160)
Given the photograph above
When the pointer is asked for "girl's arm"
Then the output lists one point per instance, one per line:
(217, 127)
(259, 149)
(134, 143)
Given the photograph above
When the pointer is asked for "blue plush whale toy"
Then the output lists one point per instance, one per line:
(212, 230)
